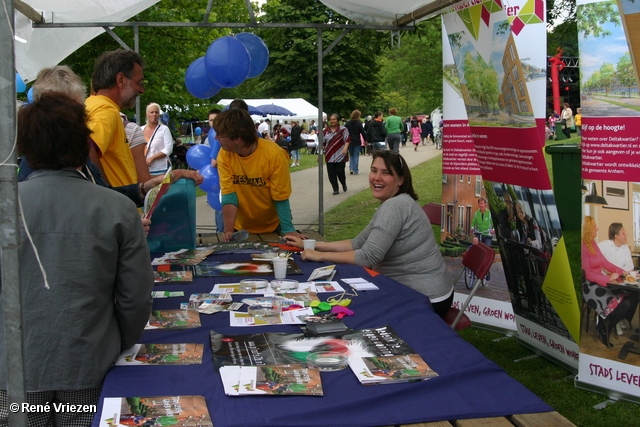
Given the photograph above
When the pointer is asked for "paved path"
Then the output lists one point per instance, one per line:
(304, 198)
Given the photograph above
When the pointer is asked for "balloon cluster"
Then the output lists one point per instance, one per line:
(227, 63)
(199, 157)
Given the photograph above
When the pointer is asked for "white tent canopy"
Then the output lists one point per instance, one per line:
(374, 12)
(301, 108)
(38, 48)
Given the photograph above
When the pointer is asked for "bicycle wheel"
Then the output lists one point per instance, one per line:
(469, 278)
(439, 142)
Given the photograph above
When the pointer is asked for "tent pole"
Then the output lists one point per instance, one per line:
(320, 137)
(9, 218)
(136, 47)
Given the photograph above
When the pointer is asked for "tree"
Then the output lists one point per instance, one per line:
(625, 73)
(411, 75)
(481, 80)
(349, 70)
(607, 76)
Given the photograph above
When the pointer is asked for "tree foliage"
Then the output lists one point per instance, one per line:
(411, 74)
(592, 16)
(481, 80)
(349, 70)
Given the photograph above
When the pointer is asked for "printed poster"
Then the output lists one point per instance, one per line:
(609, 50)
(495, 87)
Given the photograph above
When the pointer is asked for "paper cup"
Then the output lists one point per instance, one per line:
(280, 267)
(309, 244)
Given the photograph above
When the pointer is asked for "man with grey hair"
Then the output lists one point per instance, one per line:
(117, 81)
(617, 252)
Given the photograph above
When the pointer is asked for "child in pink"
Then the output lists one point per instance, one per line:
(415, 137)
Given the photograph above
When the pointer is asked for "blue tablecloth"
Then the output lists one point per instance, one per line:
(469, 385)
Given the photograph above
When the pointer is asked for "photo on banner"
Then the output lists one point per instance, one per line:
(495, 86)
(608, 34)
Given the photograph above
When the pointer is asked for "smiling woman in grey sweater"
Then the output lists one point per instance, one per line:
(399, 241)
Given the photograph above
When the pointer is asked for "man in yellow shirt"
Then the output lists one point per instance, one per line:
(116, 83)
(254, 178)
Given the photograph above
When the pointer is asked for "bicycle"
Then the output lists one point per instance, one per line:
(437, 137)
(470, 278)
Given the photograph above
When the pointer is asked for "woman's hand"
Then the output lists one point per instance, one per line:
(146, 223)
(226, 237)
(310, 255)
(613, 277)
(294, 240)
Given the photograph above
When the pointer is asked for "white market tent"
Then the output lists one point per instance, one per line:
(300, 107)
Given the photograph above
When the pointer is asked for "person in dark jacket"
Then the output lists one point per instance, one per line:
(295, 143)
(376, 133)
(354, 126)
(426, 131)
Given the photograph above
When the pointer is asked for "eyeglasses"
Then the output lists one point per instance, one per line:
(138, 82)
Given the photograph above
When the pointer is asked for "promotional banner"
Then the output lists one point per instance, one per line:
(609, 34)
(495, 95)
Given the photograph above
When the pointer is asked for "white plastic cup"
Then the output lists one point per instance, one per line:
(280, 267)
(309, 244)
(633, 273)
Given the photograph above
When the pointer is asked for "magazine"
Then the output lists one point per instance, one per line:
(271, 380)
(172, 277)
(240, 247)
(152, 199)
(155, 411)
(173, 319)
(241, 268)
(376, 355)
(185, 257)
(162, 354)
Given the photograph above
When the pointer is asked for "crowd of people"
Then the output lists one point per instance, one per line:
(566, 121)
(88, 245)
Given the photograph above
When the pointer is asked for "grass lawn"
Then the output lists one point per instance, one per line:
(546, 379)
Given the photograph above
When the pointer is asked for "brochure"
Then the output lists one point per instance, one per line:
(172, 277)
(154, 195)
(376, 355)
(173, 320)
(323, 273)
(155, 411)
(289, 317)
(162, 354)
(271, 380)
(245, 268)
(167, 294)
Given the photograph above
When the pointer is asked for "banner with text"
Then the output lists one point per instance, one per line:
(494, 60)
(609, 42)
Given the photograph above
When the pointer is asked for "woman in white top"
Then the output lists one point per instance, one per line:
(567, 120)
(159, 141)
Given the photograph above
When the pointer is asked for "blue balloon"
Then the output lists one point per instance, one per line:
(211, 182)
(258, 51)
(30, 95)
(198, 82)
(20, 84)
(198, 131)
(214, 200)
(199, 156)
(227, 62)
